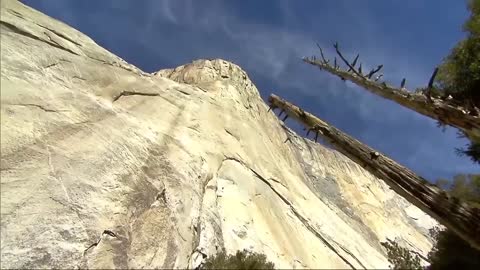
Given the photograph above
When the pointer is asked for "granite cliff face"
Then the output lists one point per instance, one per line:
(105, 166)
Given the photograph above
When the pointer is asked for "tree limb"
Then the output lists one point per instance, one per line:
(461, 218)
(345, 60)
(428, 92)
(432, 78)
(321, 54)
(370, 74)
(438, 109)
(354, 62)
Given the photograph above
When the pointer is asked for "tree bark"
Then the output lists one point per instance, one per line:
(438, 109)
(449, 211)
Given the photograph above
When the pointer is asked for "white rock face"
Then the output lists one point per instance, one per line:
(105, 166)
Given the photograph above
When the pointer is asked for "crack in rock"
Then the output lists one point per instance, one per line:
(59, 45)
(17, 14)
(130, 93)
(161, 197)
(277, 181)
(119, 65)
(108, 232)
(80, 78)
(300, 217)
(60, 35)
(198, 227)
(15, 29)
(184, 92)
(300, 262)
(232, 134)
(38, 106)
(57, 63)
(105, 232)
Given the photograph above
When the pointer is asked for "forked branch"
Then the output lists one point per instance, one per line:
(444, 110)
(345, 60)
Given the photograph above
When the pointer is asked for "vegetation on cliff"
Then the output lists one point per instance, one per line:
(241, 260)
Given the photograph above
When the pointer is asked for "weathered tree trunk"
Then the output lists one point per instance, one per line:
(444, 111)
(449, 211)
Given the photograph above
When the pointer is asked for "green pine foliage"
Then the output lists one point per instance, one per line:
(472, 151)
(450, 251)
(401, 258)
(463, 186)
(241, 260)
(459, 74)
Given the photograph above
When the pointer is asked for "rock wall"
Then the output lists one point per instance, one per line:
(106, 166)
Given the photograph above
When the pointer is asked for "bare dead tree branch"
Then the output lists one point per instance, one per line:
(437, 109)
(345, 60)
(451, 212)
(321, 54)
(432, 78)
(428, 92)
(354, 62)
(373, 71)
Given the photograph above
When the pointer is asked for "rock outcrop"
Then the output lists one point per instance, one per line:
(106, 166)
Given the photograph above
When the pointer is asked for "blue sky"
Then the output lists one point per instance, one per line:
(268, 38)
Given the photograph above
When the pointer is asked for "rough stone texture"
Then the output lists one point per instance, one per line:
(105, 166)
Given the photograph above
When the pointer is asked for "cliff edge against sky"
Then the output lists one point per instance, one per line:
(106, 166)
